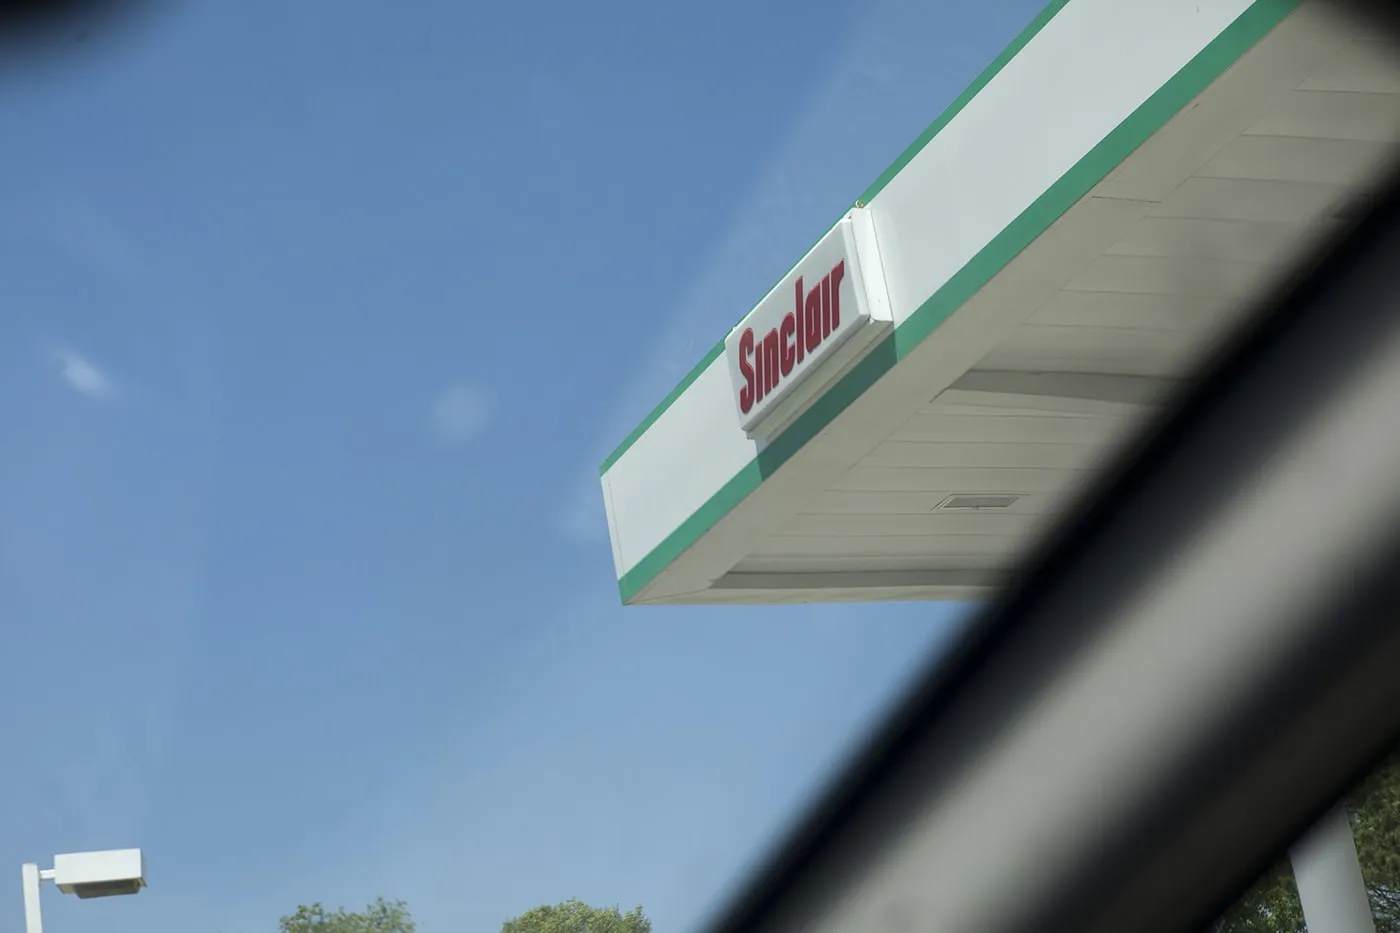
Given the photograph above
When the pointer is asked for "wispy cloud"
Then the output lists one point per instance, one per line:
(82, 375)
(460, 414)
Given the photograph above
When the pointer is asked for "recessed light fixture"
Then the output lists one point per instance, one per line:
(977, 502)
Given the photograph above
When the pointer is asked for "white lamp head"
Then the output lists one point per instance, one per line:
(100, 874)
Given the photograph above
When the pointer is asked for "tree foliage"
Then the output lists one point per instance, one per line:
(379, 917)
(1375, 821)
(574, 916)
(383, 916)
(1272, 906)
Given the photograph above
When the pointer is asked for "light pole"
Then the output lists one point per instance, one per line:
(1331, 888)
(86, 874)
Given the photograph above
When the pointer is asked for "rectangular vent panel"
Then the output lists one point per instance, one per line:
(977, 502)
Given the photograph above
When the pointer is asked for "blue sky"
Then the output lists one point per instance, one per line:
(315, 321)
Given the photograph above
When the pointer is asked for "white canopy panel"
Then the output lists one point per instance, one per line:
(1052, 257)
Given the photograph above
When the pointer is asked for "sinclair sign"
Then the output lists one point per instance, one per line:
(810, 329)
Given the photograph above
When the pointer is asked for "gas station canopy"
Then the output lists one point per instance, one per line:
(935, 380)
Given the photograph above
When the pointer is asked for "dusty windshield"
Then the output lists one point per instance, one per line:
(483, 469)
(316, 321)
